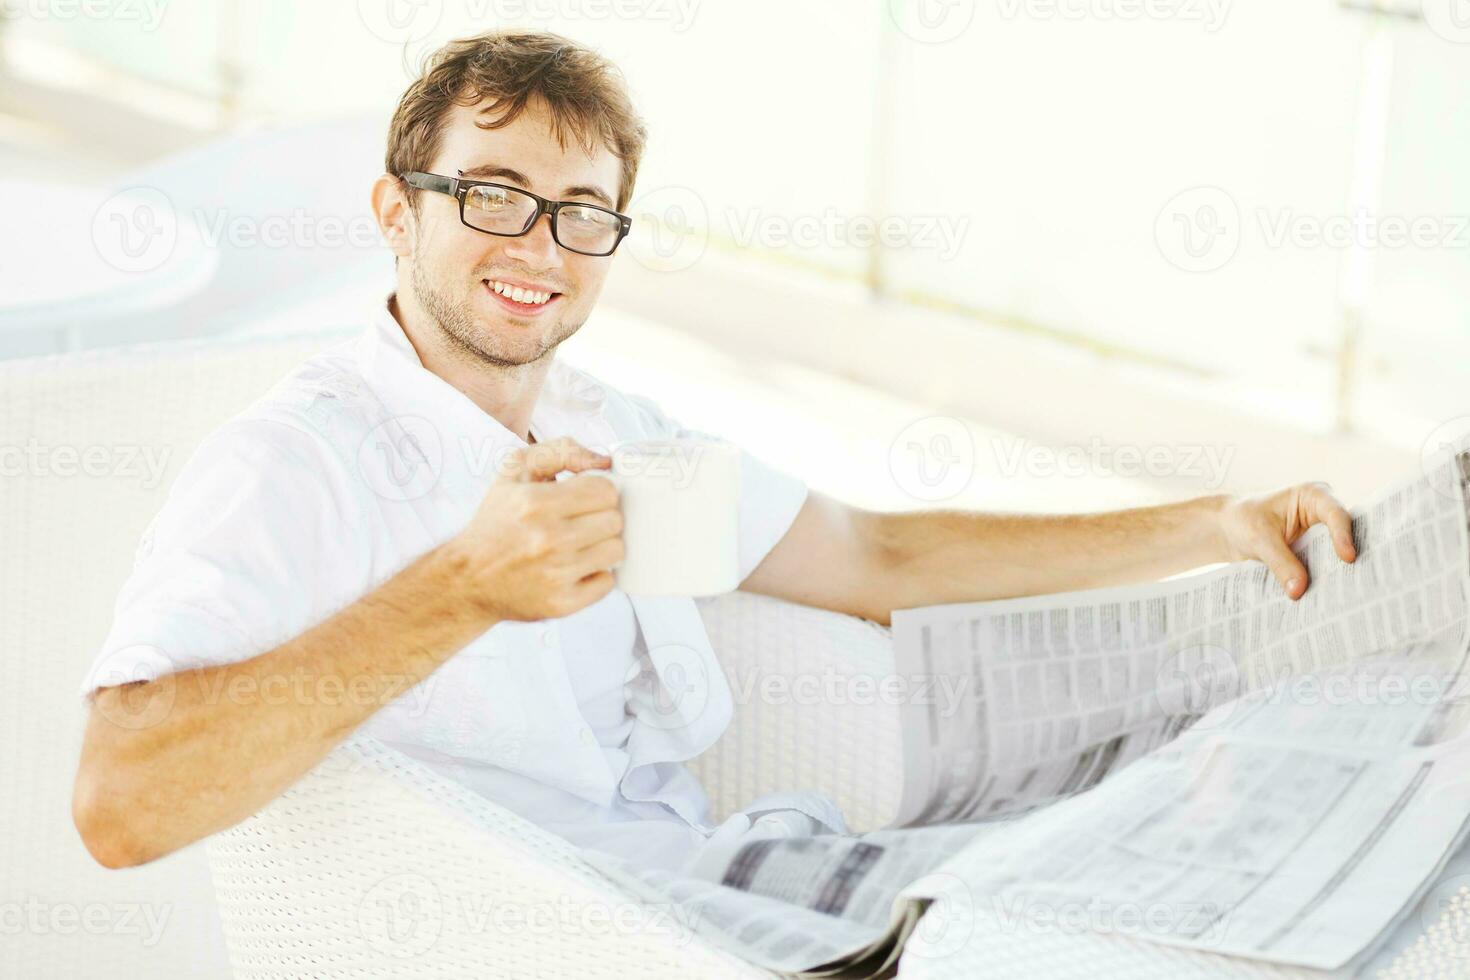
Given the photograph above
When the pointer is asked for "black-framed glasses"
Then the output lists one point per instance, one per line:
(499, 209)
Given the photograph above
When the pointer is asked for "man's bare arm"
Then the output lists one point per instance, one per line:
(869, 564)
(167, 762)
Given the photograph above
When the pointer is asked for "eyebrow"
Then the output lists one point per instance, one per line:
(490, 171)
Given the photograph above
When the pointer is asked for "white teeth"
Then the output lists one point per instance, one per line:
(533, 297)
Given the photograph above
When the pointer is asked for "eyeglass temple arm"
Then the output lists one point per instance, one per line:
(432, 182)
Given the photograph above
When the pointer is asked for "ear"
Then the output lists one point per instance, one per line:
(395, 217)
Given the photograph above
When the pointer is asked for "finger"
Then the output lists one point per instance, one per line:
(598, 557)
(585, 493)
(592, 587)
(1325, 509)
(1284, 565)
(545, 460)
(585, 530)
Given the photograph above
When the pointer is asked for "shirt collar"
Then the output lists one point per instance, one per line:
(570, 403)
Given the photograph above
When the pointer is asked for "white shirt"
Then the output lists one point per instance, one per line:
(359, 462)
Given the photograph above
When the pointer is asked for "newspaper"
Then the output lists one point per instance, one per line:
(1068, 688)
(1200, 763)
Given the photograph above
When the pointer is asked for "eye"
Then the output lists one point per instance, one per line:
(488, 198)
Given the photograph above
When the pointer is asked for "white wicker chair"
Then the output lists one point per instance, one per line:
(373, 866)
(370, 866)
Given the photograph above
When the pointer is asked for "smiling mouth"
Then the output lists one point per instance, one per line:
(520, 299)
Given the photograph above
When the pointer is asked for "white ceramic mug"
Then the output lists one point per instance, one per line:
(681, 516)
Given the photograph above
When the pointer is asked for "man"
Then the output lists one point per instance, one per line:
(310, 574)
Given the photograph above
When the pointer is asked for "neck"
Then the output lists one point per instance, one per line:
(505, 392)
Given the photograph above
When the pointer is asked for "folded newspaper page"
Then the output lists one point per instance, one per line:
(1200, 763)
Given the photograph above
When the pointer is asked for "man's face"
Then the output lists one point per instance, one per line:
(455, 270)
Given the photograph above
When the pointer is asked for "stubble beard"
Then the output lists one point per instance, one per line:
(465, 333)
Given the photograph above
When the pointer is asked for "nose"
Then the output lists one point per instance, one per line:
(537, 248)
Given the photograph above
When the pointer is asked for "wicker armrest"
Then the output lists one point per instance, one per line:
(374, 866)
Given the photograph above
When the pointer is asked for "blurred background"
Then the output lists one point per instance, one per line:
(1042, 254)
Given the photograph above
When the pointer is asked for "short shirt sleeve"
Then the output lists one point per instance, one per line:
(254, 545)
(770, 498)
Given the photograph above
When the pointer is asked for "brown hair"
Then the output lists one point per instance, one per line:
(585, 93)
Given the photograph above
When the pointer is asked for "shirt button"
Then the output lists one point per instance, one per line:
(588, 738)
(548, 636)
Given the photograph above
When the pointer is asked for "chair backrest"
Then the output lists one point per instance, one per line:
(89, 444)
(817, 707)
